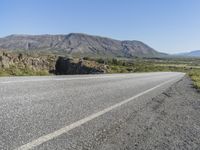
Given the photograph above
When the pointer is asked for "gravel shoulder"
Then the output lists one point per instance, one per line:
(169, 121)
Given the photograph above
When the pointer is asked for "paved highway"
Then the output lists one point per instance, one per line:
(72, 112)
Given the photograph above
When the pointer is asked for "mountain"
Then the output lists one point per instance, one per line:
(195, 53)
(78, 44)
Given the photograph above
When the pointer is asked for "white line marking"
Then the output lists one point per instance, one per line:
(54, 79)
(67, 128)
(68, 79)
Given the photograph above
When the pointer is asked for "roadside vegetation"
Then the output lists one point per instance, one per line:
(148, 65)
(16, 71)
(190, 66)
(195, 76)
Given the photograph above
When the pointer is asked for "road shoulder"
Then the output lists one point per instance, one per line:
(169, 121)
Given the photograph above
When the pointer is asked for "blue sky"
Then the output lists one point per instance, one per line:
(166, 25)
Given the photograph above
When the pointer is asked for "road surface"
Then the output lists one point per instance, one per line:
(70, 112)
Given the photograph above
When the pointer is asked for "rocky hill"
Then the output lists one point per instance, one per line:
(77, 44)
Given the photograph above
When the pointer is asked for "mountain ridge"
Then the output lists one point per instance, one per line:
(194, 53)
(79, 44)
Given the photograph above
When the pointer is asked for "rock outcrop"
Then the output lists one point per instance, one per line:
(78, 66)
(34, 62)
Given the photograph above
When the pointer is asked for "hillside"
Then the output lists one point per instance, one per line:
(77, 44)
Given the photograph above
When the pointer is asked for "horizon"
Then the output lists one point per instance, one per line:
(169, 27)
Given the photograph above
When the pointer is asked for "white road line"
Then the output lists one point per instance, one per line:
(67, 128)
(68, 79)
(58, 79)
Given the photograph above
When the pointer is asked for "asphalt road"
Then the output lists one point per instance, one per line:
(70, 112)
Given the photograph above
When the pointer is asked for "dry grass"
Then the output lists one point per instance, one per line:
(195, 76)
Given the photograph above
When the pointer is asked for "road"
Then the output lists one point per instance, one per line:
(72, 112)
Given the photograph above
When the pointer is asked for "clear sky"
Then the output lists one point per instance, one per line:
(166, 25)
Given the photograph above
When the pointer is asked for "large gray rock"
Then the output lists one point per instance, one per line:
(74, 66)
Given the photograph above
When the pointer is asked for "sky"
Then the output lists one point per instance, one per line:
(170, 26)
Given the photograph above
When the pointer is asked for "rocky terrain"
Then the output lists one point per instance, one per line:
(24, 64)
(37, 64)
(77, 44)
